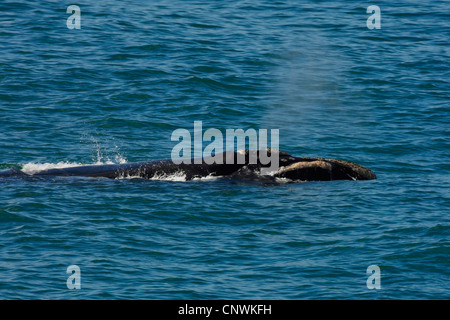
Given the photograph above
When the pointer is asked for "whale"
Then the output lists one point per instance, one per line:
(246, 163)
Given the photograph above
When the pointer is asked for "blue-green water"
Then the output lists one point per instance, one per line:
(114, 91)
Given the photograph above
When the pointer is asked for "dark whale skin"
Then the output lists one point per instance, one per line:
(292, 168)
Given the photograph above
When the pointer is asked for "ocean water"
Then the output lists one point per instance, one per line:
(114, 90)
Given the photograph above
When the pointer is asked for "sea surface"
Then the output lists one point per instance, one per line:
(115, 90)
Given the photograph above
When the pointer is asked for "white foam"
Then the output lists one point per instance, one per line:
(129, 177)
(177, 176)
(31, 167)
(207, 178)
(120, 159)
(284, 180)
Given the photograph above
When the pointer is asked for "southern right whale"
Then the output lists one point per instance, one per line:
(292, 168)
